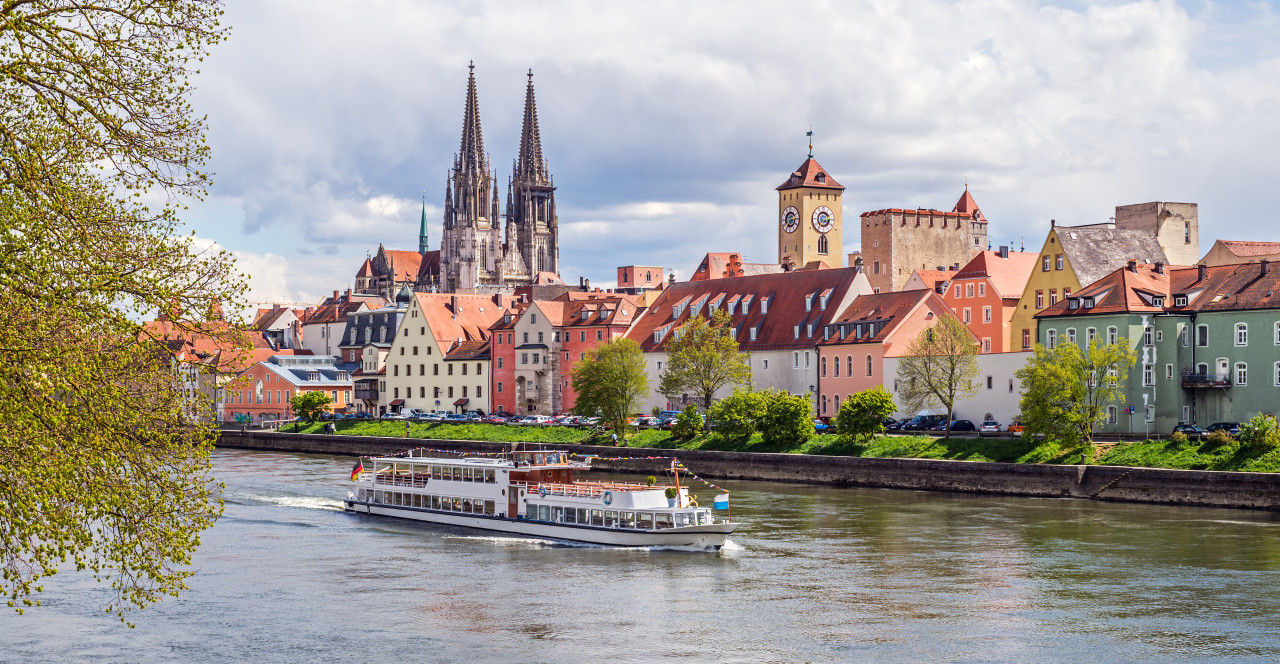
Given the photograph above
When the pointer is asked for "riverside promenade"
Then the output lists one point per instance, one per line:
(1113, 483)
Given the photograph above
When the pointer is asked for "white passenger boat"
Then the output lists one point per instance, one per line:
(535, 493)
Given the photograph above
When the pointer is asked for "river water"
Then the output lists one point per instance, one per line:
(814, 574)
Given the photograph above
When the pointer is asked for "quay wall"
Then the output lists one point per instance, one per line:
(1118, 483)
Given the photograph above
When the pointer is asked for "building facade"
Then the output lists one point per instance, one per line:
(896, 242)
(263, 391)
(810, 218)
(984, 294)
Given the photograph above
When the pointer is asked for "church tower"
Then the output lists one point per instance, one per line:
(809, 218)
(469, 240)
(533, 241)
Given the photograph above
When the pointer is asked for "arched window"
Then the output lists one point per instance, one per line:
(837, 403)
(822, 244)
(824, 404)
(1111, 335)
(868, 364)
(849, 365)
(1111, 414)
(824, 366)
(837, 368)
(1052, 337)
(382, 334)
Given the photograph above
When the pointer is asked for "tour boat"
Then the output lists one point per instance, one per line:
(535, 494)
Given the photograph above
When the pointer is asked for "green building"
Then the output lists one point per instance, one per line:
(1207, 341)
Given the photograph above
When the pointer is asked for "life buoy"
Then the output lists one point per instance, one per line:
(608, 497)
(542, 491)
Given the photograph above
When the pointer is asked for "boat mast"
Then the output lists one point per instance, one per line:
(675, 472)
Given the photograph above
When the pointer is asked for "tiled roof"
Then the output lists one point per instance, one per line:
(469, 350)
(1094, 251)
(878, 314)
(786, 293)
(719, 265)
(1008, 276)
(267, 319)
(547, 279)
(810, 174)
(366, 270)
(405, 265)
(1227, 287)
(932, 277)
(1122, 290)
(470, 320)
(967, 206)
(1244, 249)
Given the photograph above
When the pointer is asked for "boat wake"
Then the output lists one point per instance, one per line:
(729, 549)
(304, 502)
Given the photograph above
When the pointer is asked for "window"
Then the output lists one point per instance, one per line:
(1148, 375)
(1052, 338)
(1159, 336)
(1053, 296)
(526, 338)
(875, 267)
(1045, 264)
(499, 363)
(1111, 335)
(824, 367)
(822, 244)
(395, 369)
(1071, 335)
(836, 367)
(957, 291)
(539, 337)
(1112, 413)
(968, 290)
(1026, 338)
(464, 390)
(1242, 334)
(1010, 386)
(968, 316)
(435, 370)
(1089, 334)
(982, 290)
(1039, 299)
(1242, 373)
(990, 382)
(450, 391)
(848, 365)
(599, 335)
(1202, 335)
(869, 371)
(1147, 334)
(1277, 340)
(796, 355)
(806, 359)
(1277, 374)
(524, 357)
(435, 392)
(1057, 262)
(986, 314)
(450, 367)
(536, 360)
(499, 388)
(1168, 371)
(1179, 300)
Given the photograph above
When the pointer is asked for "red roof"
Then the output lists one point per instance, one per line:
(932, 277)
(719, 265)
(1241, 248)
(810, 174)
(1008, 276)
(461, 317)
(967, 206)
(884, 311)
(405, 265)
(1122, 290)
(366, 270)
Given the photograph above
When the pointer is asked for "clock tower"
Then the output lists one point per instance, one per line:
(809, 224)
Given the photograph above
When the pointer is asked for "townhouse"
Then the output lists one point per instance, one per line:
(262, 391)
(984, 294)
(323, 327)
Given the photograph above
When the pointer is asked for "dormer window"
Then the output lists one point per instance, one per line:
(796, 332)
(1073, 303)
(764, 305)
(1179, 300)
(808, 302)
(1157, 301)
(809, 331)
(753, 332)
(820, 177)
(1088, 303)
(342, 375)
(313, 376)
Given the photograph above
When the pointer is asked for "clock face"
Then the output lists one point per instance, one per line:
(790, 219)
(823, 219)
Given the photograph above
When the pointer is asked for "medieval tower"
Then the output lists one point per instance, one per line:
(809, 218)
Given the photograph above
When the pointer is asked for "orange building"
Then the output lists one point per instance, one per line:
(984, 294)
(263, 391)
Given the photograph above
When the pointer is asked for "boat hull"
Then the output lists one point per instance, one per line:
(705, 537)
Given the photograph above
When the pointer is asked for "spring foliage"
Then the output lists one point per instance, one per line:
(862, 415)
(940, 367)
(1066, 390)
(106, 466)
(611, 382)
(702, 359)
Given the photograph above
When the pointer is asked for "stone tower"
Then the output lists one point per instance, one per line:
(897, 241)
(469, 256)
(809, 218)
(533, 243)
(1175, 225)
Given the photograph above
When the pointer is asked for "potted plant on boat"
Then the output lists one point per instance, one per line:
(671, 496)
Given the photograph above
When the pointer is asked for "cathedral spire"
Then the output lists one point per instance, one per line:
(471, 156)
(530, 166)
(494, 218)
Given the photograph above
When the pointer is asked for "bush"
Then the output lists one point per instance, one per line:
(736, 415)
(688, 423)
(787, 420)
(1217, 439)
(862, 416)
(1178, 438)
(1260, 433)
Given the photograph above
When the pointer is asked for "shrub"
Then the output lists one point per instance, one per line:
(862, 415)
(651, 480)
(1178, 438)
(736, 415)
(1217, 439)
(671, 492)
(787, 420)
(688, 423)
(1260, 433)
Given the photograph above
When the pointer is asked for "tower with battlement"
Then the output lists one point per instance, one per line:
(898, 241)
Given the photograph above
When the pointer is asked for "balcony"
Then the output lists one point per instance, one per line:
(367, 395)
(1192, 379)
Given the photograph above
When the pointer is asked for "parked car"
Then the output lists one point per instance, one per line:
(989, 426)
(455, 418)
(393, 416)
(924, 422)
(364, 415)
(821, 427)
(1229, 428)
(1191, 430)
(1016, 426)
(495, 418)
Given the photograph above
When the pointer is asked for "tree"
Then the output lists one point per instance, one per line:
(309, 404)
(687, 423)
(702, 359)
(735, 416)
(611, 382)
(939, 367)
(1066, 390)
(788, 418)
(862, 415)
(106, 469)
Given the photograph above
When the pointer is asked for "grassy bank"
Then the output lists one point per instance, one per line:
(1191, 455)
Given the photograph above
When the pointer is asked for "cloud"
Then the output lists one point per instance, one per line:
(667, 125)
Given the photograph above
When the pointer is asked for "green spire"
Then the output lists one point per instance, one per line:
(423, 243)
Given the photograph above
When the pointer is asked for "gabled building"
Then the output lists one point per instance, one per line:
(263, 391)
(776, 318)
(1232, 252)
(536, 347)
(419, 372)
(323, 328)
(389, 271)
(1207, 340)
(280, 326)
(984, 294)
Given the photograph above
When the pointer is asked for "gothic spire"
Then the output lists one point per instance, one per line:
(423, 243)
(530, 166)
(471, 156)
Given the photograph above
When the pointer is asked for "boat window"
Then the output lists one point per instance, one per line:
(457, 504)
(488, 507)
(611, 518)
(457, 474)
(490, 477)
(628, 519)
(571, 515)
(553, 458)
(644, 520)
(684, 519)
(557, 514)
(435, 502)
(360, 494)
(466, 505)
(544, 512)
(597, 517)
(582, 517)
(662, 520)
(532, 512)
(435, 472)
(466, 474)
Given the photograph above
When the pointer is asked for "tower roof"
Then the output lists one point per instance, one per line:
(471, 155)
(530, 166)
(810, 174)
(966, 205)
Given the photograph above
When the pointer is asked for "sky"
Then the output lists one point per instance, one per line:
(667, 125)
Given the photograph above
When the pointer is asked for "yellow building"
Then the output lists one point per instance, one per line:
(809, 218)
(1073, 257)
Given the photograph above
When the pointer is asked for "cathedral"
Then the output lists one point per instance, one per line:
(477, 252)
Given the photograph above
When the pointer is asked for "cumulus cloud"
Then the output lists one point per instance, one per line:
(667, 125)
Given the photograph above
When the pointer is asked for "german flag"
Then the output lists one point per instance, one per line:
(359, 468)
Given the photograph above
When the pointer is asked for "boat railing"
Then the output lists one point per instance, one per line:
(582, 489)
(414, 481)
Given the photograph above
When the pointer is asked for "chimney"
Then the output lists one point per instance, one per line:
(497, 299)
(1159, 267)
(1004, 251)
(1266, 266)
(335, 295)
(453, 305)
(1202, 272)
(1053, 223)
(1133, 266)
(348, 293)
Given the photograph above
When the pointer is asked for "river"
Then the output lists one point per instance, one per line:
(814, 574)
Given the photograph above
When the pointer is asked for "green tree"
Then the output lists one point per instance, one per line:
(940, 367)
(1261, 432)
(1066, 389)
(106, 466)
(788, 418)
(309, 404)
(687, 423)
(611, 382)
(702, 359)
(862, 415)
(735, 416)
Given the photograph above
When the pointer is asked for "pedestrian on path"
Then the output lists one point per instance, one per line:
(615, 439)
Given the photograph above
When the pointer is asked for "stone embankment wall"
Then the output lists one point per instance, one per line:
(1121, 483)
